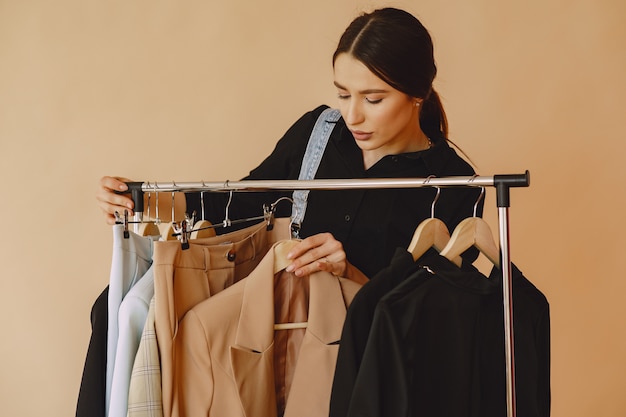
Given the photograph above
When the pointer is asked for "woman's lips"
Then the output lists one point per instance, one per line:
(360, 135)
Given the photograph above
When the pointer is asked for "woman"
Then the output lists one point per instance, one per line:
(392, 125)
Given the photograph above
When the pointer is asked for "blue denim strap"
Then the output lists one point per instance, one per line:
(311, 161)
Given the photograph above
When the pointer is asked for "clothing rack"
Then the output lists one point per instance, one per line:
(502, 184)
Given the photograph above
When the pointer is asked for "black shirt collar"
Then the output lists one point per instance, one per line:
(420, 163)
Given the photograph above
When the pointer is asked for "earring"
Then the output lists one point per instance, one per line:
(417, 104)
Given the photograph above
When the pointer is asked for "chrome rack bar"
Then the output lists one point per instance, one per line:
(317, 184)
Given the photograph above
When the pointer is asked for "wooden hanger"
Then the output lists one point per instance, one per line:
(167, 231)
(431, 232)
(202, 229)
(473, 231)
(149, 228)
(281, 249)
(291, 326)
(170, 230)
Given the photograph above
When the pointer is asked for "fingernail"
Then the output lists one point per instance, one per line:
(123, 187)
(289, 255)
(129, 205)
(289, 268)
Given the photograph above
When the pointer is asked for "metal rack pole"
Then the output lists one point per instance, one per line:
(502, 184)
(507, 298)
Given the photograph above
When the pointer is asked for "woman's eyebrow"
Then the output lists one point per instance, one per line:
(369, 91)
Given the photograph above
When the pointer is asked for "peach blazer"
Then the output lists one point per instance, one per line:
(225, 366)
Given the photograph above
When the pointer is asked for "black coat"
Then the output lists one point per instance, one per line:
(92, 392)
(436, 347)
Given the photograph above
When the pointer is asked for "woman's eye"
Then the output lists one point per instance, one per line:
(343, 96)
(373, 101)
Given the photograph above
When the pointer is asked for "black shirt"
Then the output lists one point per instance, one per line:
(370, 223)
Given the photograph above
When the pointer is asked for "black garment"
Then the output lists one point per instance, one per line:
(360, 314)
(436, 347)
(531, 322)
(92, 393)
(369, 223)
(356, 328)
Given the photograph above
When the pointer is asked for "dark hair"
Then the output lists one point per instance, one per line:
(398, 49)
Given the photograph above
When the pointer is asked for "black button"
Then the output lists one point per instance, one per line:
(347, 217)
(231, 255)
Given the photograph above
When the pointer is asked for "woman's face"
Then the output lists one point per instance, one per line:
(383, 120)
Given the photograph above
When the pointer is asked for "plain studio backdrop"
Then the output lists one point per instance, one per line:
(202, 90)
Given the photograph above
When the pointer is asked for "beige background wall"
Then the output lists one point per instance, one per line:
(191, 90)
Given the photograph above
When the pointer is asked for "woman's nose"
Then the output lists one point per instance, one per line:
(353, 114)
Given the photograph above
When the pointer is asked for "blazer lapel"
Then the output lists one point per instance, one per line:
(313, 377)
(252, 357)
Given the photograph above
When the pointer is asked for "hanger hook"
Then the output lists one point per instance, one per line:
(432, 206)
(227, 221)
(294, 227)
(173, 204)
(295, 233)
(148, 209)
(480, 197)
(156, 203)
(202, 200)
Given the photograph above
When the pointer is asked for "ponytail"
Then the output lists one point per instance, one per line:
(433, 120)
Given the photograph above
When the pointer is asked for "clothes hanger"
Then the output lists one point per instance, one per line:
(206, 229)
(473, 231)
(202, 228)
(431, 232)
(281, 249)
(169, 230)
(184, 229)
(123, 220)
(140, 227)
(148, 227)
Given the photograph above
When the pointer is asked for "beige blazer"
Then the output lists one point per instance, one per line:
(226, 363)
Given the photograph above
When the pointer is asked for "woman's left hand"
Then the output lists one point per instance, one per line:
(322, 252)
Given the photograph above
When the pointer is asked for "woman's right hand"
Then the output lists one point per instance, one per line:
(110, 202)
(322, 252)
